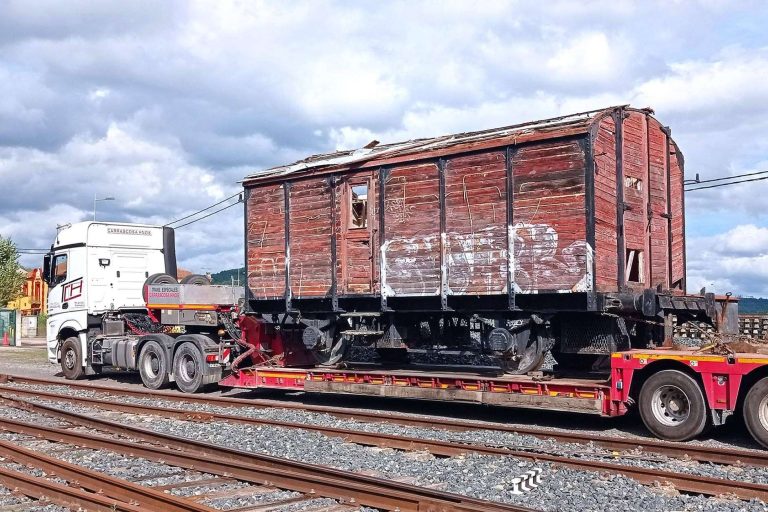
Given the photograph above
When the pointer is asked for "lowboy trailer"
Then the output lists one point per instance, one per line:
(679, 393)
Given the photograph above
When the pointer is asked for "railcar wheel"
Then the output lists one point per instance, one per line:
(72, 359)
(756, 411)
(188, 368)
(526, 356)
(530, 361)
(153, 365)
(332, 353)
(326, 342)
(672, 406)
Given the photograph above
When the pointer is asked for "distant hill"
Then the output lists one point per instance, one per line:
(228, 276)
(753, 305)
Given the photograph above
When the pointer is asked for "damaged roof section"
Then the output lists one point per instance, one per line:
(382, 154)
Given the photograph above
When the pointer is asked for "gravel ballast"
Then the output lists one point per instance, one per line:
(502, 439)
(485, 477)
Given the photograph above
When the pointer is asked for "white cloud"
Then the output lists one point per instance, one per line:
(167, 105)
(736, 261)
(733, 80)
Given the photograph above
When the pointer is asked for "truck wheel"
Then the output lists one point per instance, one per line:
(672, 406)
(72, 359)
(188, 368)
(153, 365)
(756, 411)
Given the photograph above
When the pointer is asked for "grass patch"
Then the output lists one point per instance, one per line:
(36, 355)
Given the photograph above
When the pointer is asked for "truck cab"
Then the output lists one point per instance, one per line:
(114, 302)
(96, 267)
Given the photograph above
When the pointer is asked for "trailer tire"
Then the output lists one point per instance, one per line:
(188, 368)
(672, 406)
(755, 411)
(153, 365)
(72, 359)
(159, 278)
(196, 279)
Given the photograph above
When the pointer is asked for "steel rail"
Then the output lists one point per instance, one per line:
(286, 473)
(94, 481)
(436, 447)
(700, 453)
(71, 497)
(682, 481)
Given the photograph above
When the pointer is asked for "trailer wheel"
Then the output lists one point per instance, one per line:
(72, 359)
(159, 278)
(196, 279)
(756, 411)
(153, 365)
(672, 406)
(188, 368)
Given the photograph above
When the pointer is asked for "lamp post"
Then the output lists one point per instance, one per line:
(109, 198)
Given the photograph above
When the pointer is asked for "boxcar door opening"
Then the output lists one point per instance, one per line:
(357, 234)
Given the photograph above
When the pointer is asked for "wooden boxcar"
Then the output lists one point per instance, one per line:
(565, 234)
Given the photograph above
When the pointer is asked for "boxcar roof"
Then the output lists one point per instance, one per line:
(380, 154)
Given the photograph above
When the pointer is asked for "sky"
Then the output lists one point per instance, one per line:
(167, 105)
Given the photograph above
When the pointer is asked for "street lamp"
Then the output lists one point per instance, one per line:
(109, 198)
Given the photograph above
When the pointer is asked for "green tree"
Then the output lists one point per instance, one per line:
(11, 279)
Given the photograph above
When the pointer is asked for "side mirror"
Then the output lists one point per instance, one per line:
(47, 268)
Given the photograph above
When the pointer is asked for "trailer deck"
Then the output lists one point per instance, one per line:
(583, 395)
(720, 375)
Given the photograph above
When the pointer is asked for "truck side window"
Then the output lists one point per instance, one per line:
(59, 269)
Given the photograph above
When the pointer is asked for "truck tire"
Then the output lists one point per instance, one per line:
(153, 365)
(197, 279)
(672, 406)
(756, 411)
(72, 359)
(188, 368)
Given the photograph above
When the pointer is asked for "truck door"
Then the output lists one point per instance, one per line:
(67, 293)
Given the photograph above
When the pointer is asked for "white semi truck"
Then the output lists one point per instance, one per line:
(114, 302)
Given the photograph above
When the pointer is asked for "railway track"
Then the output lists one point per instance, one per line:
(308, 479)
(699, 453)
(682, 481)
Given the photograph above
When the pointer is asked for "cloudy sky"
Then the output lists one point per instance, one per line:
(166, 105)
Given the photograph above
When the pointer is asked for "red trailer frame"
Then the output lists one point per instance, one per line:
(724, 380)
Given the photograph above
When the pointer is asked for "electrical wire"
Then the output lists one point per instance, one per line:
(208, 215)
(726, 184)
(201, 211)
(728, 177)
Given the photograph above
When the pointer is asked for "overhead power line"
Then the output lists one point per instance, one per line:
(728, 177)
(208, 215)
(726, 184)
(203, 210)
